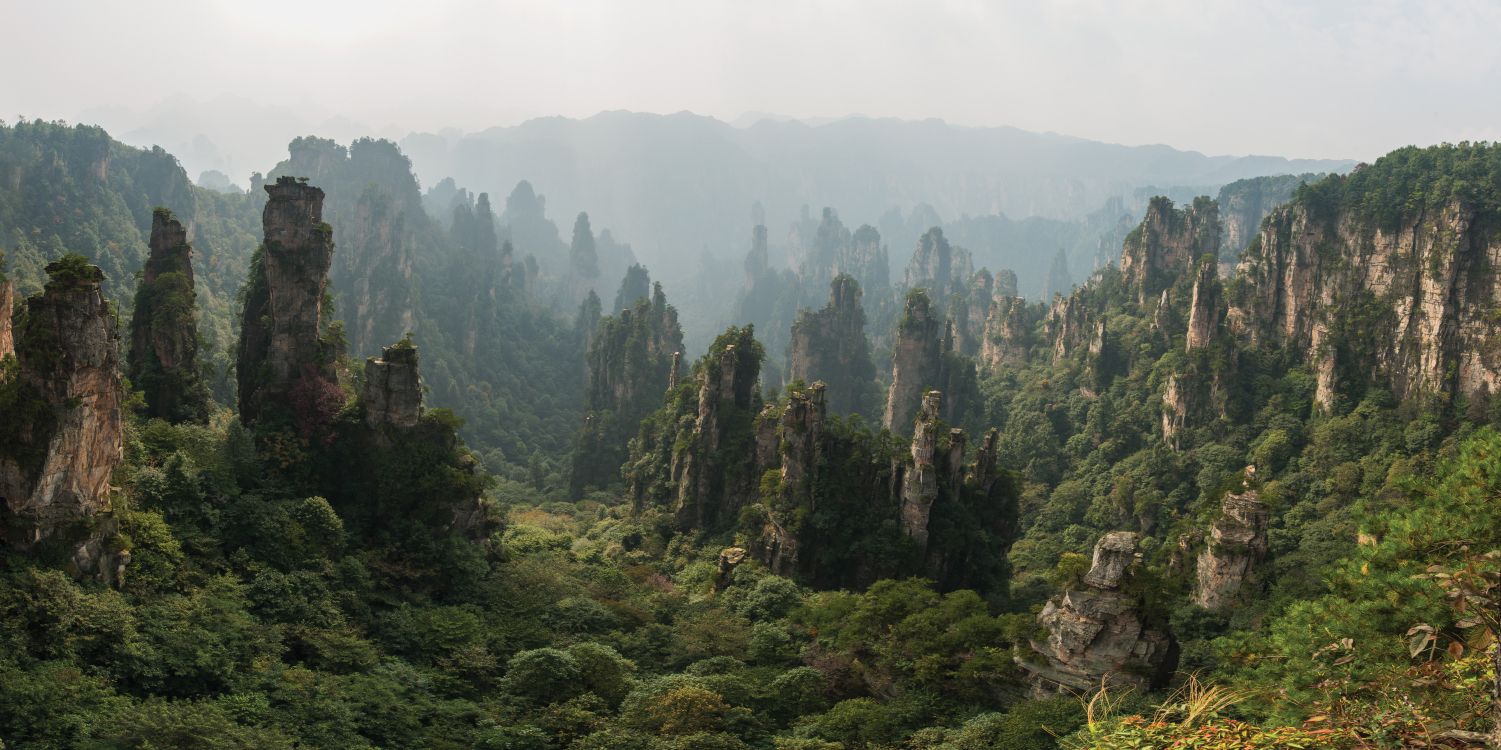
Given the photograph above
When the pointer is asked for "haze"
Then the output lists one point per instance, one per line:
(1327, 80)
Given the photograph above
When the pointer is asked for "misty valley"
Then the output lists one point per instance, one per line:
(658, 432)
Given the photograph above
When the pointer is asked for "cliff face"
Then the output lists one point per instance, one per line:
(60, 424)
(1096, 632)
(1400, 303)
(1206, 311)
(916, 360)
(938, 266)
(7, 304)
(393, 388)
(631, 361)
(920, 480)
(1167, 243)
(163, 356)
(830, 345)
(280, 345)
(800, 438)
(836, 501)
(375, 206)
(696, 456)
(1237, 543)
(1245, 203)
(1007, 334)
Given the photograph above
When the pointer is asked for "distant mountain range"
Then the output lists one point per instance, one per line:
(678, 186)
(681, 186)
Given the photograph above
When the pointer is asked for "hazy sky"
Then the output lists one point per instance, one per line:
(1314, 79)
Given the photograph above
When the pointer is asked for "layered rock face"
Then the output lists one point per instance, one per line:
(280, 342)
(163, 356)
(1402, 303)
(60, 423)
(830, 345)
(393, 388)
(1096, 633)
(1237, 543)
(1167, 243)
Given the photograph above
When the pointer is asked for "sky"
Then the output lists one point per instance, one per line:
(1300, 79)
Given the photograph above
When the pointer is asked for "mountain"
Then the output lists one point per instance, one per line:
(676, 184)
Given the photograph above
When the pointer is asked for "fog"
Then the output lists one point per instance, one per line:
(231, 81)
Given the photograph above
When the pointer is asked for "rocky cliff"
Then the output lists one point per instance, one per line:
(1007, 335)
(938, 266)
(281, 346)
(832, 506)
(830, 345)
(1245, 203)
(1167, 243)
(7, 304)
(1237, 543)
(696, 455)
(375, 206)
(1374, 288)
(393, 387)
(1096, 632)
(163, 357)
(630, 365)
(60, 423)
(923, 357)
(1206, 310)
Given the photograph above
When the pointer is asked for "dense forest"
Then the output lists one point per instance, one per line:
(338, 462)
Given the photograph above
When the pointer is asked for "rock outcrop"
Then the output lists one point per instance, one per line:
(393, 388)
(821, 252)
(698, 461)
(163, 357)
(1167, 243)
(920, 480)
(813, 503)
(60, 423)
(1237, 543)
(938, 266)
(1096, 632)
(923, 358)
(631, 361)
(830, 345)
(916, 359)
(281, 346)
(1399, 300)
(1069, 324)
(1008, 334)
(1206, 311)
(1244, 204)
(7, 304)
